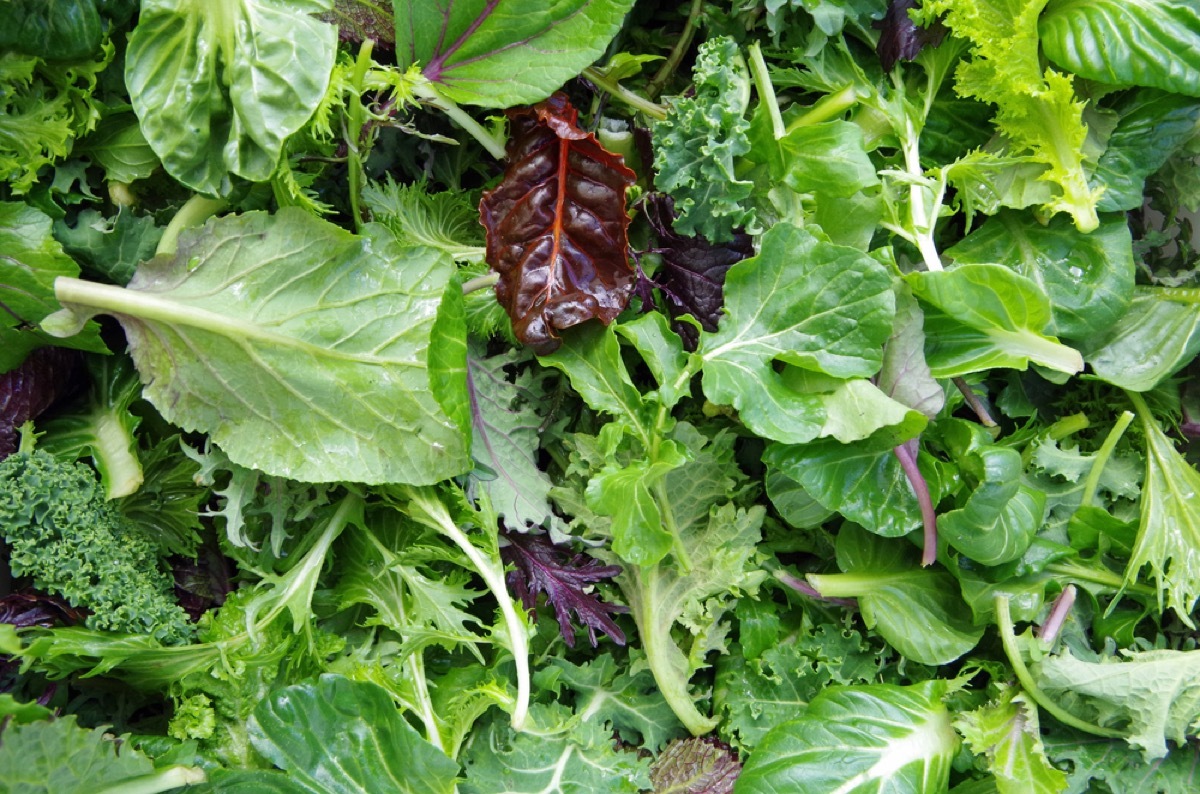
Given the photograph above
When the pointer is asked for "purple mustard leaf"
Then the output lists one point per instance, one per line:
(45, 375)
(541, 567)
(900, 38)
(692, 275)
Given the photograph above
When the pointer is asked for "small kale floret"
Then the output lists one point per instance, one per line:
(64, 534)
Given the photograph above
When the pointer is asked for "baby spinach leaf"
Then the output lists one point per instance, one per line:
(556, 226)
(1157, 336)
(1153, 125)
(32, 260)
(988, 316)
(218, 87)
(305, 351)
(1158, 45)
(803, 301)
(337, 736)
(464, 46)
(857, 740)
(1088, 277)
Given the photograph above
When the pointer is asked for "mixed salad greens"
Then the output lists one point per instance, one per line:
(827, 364)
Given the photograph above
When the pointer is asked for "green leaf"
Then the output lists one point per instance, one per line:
(856, 409)
(119, 147)
(112, 247)
(1153, 125)
(662, 350)
(803, 301)
(447, 220)
(305, 351)
(998, 519)
(857, 740)
(1157, 336)
(988, 316)
(828, 159)
(550, 758)
(625, 494)
(1150, 696)
(697, 146)
(32, 260)
(1087, 277)
(1006, 732)
(1158, 43)
(904, 375)
(1036, 108)
(1168, 538)
(219, 87)
(505, 436)
(918, 610)
(334, 735)
(590, 356)
(1093, 764)
(57, 30)
(462, 47)
(60, 757)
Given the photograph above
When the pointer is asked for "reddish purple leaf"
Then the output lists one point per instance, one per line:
(692, 276)
(696, 766)
(900, 39)
(542, 567)
(45, 375)
(556, 226)
(26, 609)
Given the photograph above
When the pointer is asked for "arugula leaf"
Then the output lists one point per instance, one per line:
(463, 45)
(803, 301)
(857, 740)
(217, 88)
(314, 382)
(1159, 43)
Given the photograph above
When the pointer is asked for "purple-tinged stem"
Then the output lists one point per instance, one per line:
(804, 588)
(976, 404)
(1049, 630)
(907, 455)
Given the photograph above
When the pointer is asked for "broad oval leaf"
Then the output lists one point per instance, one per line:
(1155, 338)
(498, 54)
(1126, 42)
(556, 226)
(337, 736)
(219, 86)
(1088, 277)
(303, 350)
(855, 740)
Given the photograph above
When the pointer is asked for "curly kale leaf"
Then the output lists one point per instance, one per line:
(63, 534)
(697, 145)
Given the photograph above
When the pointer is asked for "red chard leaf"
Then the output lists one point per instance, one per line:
(542, 567)
(556, 226)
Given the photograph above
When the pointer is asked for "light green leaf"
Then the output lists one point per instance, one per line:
(662, 350)
(119, 147)
(60, 757)
(1168, 538)
(444, 220)
(803, 301)
(856, 409)
(625, 494)
(336, 736)
(481, 52)
(219, 86)
(303, 350)
(1006, 732)
(590, 356)
(905, 375)
(1157, 336)
(988, 317)
(1088, 277)
(32, 259)
(859, 740)
(1146, 42)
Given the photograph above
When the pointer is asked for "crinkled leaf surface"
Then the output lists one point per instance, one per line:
(556, 226)
(60, 757)
(497, 54)
(1147, 42)
(856, 740)
(30, 260)
(1088, 277)
(303, 350)
(337, 736)
(819, 306)
(219, 86)
(695, 766)
(1006, 732)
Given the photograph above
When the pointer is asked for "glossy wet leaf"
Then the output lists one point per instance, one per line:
(556, 226)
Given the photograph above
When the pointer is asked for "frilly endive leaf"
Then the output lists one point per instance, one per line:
(556, 226)
(303, 350)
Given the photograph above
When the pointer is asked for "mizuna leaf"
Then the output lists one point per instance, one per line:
(556, 226)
